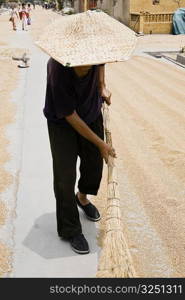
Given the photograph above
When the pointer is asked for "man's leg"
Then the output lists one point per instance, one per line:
(22, 23)
(25, 23)
(64, 150)
(91, 165)
(14, 25)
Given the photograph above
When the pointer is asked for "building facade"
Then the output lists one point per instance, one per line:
(79, 5)
(143, 16)
(153, 16)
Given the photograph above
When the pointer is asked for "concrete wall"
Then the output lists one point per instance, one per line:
(76, 6)
(162, 28)
(107, 5)
(124, 7)
(79, 5)
(121, 11)
(147, 5)
(126, 11)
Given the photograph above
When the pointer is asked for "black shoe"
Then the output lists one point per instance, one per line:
(90, 210)
(79, 244)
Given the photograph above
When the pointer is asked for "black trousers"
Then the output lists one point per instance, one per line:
(66, 145)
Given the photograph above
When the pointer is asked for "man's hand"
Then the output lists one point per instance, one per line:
(106, 150)
(81, 127)
(104, 92)
(106, 95)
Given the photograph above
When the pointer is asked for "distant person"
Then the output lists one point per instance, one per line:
(23, 16)
(29, 14)
(29, 8)
(19, 7)
(14, 16)
(33, 5)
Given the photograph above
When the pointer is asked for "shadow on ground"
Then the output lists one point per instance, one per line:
(43, 239)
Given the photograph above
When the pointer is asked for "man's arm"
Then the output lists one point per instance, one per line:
(101, 76)
(104, 92)
(81, 127)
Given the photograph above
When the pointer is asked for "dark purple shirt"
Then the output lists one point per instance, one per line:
(66, 92)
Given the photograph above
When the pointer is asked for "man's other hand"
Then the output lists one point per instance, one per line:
(106, 150)
(106, 95)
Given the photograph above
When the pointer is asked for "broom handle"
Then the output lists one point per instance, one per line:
(108, 136)
(106, 120)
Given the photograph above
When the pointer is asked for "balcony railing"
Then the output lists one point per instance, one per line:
(138, 21)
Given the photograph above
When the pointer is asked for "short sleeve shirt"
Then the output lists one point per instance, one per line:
(66, 92)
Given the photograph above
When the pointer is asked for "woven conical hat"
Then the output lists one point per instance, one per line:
(87, 38)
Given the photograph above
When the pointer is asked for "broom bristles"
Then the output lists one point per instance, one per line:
(115, 259)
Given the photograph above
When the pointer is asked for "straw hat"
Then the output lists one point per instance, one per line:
(88, 38)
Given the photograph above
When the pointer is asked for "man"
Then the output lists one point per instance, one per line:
(73, 109)
(79, 45)
(23, 16)
(14, 17)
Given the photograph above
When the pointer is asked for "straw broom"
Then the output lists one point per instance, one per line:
(115, 259)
